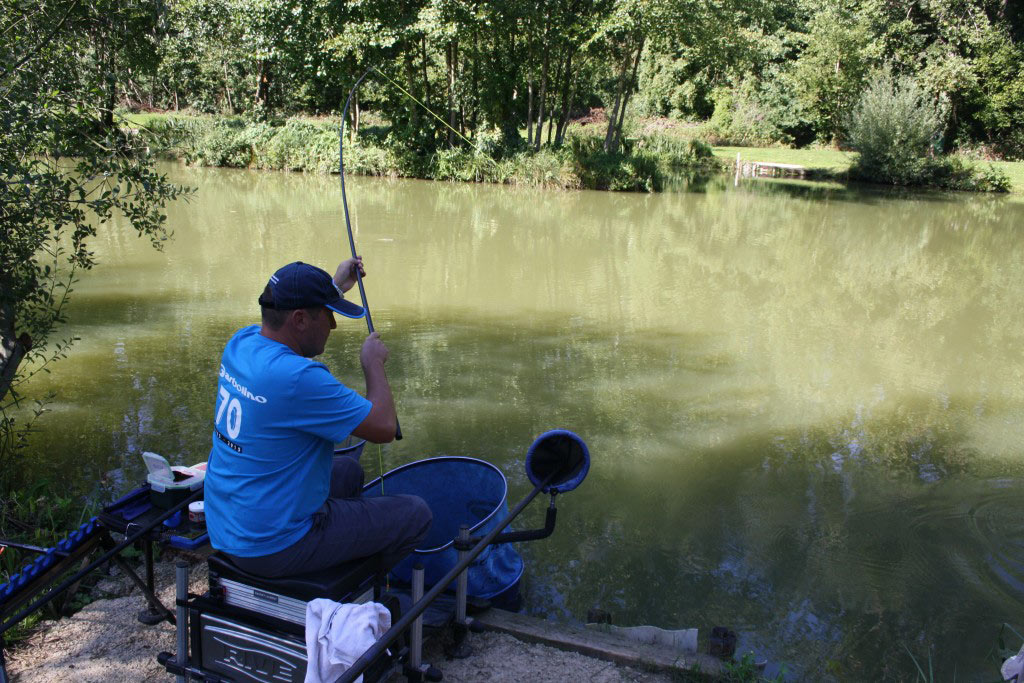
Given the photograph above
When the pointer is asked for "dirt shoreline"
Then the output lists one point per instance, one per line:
(105, 642)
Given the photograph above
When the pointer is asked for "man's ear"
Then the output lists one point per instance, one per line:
(299, 319)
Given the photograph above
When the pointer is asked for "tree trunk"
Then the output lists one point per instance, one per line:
(559, 77)
(507, 113)
(354, 128)
(474, 114)
(551, 124)
(12, 348)
(108, 113)
(613, 136)
(426, 80)
(452, 56)
(529, 111)
(630, 87)
(263, 85)
(227, 90)
(610, 144)
(410, 75)
(542, 105)
(563, 121)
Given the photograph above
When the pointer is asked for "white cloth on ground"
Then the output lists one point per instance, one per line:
(337, 634)
(1013, 668)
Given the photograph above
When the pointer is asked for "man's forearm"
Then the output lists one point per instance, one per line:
(378, 392)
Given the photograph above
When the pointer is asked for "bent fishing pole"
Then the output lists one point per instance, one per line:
(344, 198)
(348, 223)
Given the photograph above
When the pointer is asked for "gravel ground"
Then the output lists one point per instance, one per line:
(105, 642)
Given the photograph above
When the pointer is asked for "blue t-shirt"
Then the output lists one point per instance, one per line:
(278, 417)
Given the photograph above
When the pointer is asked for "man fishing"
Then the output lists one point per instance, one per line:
(278, 502)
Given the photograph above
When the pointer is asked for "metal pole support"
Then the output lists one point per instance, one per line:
(460, 647)
(151, 615)
(416, 637)
(181, 578)
(415, 670)
(462, 587)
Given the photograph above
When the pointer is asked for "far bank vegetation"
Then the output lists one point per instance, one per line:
(511, 76)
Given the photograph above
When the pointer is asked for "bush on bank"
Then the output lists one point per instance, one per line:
(895, 128)
(644, 164)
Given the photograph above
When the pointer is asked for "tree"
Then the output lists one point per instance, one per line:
(831, 71)
(64, 171)
(204, 62)
(665, 26)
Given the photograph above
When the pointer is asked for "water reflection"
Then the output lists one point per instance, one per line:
(804, 403)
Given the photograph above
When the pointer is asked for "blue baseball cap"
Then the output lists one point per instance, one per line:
(300, 285)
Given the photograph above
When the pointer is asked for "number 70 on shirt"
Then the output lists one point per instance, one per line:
(229, 404)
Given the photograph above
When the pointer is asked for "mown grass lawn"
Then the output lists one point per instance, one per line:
(835, 161)
(830, 160)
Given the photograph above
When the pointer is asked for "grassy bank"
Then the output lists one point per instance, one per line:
(645, 163)
(653, 154)
(830, 162)
(833, 163)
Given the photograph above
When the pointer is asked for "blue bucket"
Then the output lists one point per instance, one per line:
(351, 447)
(458, 490)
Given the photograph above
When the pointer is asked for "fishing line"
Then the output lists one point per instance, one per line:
(429, 110)
(380, 467)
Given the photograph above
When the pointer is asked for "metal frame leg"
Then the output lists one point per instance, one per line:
(151, 615)
(181, 591)
(155, 612)
(460, 647)
(415, 669)
(462, 587)
(416, 636)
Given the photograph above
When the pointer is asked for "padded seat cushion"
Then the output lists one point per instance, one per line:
(336, 583)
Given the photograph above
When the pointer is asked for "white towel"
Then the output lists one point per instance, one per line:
(337, 634)
(1013, 668)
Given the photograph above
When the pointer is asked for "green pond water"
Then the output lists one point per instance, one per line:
(805, 405)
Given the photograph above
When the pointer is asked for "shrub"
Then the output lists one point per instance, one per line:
(298, 146)
(365, 158)
(546, 168)
(893, 128)
(955, 173)
(643, 164)
(455, 164)
(896, 127)
(759, 113)
(225, 142)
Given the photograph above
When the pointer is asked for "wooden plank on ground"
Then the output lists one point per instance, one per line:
(770, 164)
(599, 644)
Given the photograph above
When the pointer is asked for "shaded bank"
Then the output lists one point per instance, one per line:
(646, 164)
